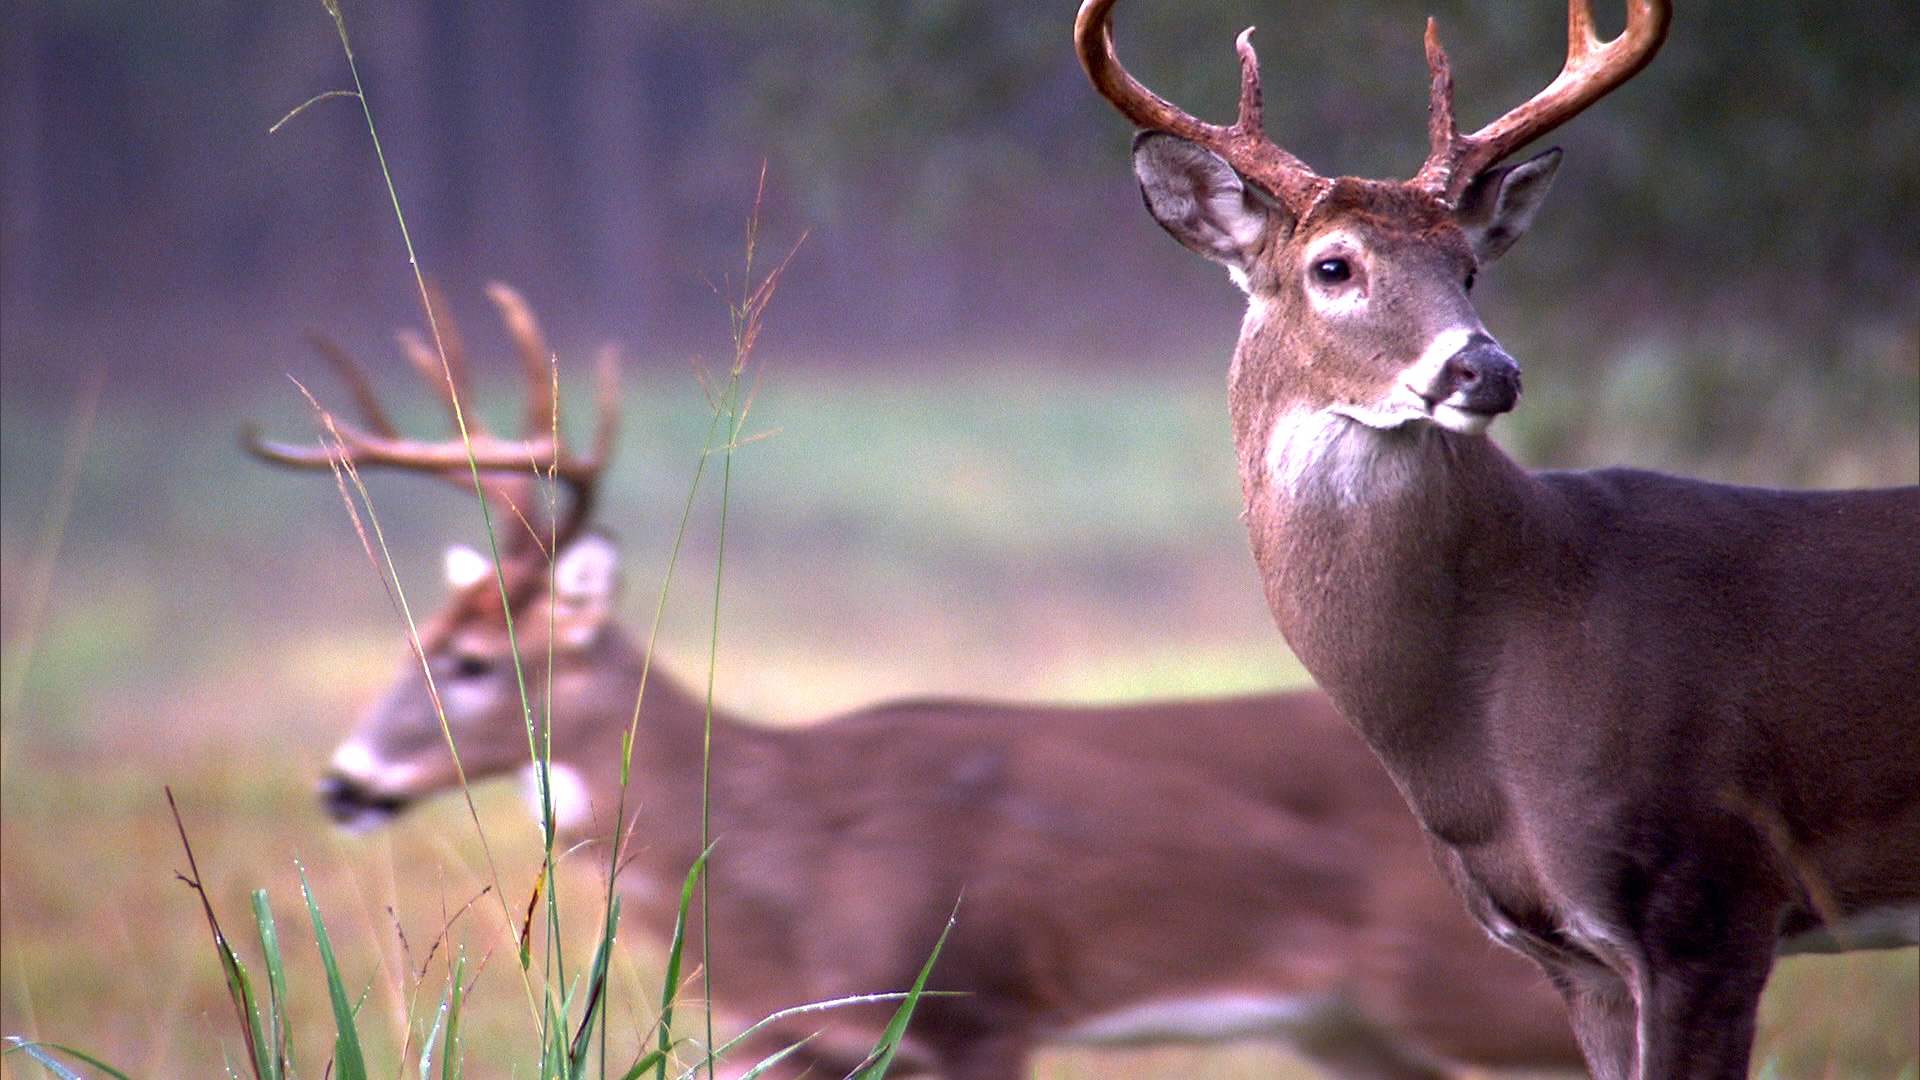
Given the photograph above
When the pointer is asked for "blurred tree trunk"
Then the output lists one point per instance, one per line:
(20, 154)
(616, 182)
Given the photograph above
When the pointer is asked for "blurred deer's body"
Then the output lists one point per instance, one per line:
(1122, 874)
(1239, 868)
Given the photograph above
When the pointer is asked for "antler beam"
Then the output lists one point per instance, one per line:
(539, 452)
(1244, 144)
(1592, 70)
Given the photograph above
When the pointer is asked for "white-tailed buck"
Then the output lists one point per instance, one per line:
(1237, 868)
(1659, 728)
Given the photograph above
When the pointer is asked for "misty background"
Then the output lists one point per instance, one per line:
(961, 189)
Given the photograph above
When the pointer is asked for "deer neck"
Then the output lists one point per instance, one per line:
(1392, 564)
(671, 744)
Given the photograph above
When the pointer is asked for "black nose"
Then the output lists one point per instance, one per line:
(351, 805)
(1482, 378)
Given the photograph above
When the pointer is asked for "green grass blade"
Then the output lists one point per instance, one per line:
(433, 1036)
(650, 1060)
(451, 1048)
(876, 1064)
(825, 1006)
(348, 1062)
(239, 986)
(760, 1067)
(596, 993)
(818, 1006)
(275, 1049)
(38, 1052)
(670, 988)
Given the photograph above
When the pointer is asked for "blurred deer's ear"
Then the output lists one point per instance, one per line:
(586, 584)
(464, 566)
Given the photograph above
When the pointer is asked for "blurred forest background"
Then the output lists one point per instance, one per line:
(997, 459)
(961, 188)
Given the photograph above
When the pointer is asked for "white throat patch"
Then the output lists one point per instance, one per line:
(1333, 453)
(572, 805)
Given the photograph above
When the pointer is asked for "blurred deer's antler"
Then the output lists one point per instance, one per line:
(506, 468)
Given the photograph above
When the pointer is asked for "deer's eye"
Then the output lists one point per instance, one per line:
(1333, 271)
(471, 666)
(1470, 281)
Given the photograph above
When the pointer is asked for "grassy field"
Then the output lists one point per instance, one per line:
(208, 624)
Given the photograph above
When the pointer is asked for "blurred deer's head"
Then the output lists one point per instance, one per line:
(547, 604)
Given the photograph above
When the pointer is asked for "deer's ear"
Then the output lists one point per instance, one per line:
(586, 585)
(1500, 203)
(1195, 195)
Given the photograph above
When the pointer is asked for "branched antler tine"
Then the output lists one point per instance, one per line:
(506, 472)
(1441, 128)
(354, 378)
(342, 448)
(445, 379)
(443, 362)
(279, 453)
(1592, 70)
(1093, 40)
(1252, 119)
(535, 359)
(1243, 145)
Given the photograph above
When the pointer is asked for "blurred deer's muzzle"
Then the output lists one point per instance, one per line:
(355, 807)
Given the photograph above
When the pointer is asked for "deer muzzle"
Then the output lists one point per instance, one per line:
(354, 806)
(1477, 383)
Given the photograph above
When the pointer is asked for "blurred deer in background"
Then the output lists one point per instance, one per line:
(1236, 868)
(1659, 729)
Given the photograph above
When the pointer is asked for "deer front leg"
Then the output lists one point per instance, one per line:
(1677, 996)
(1699, 1012)
(1604, 1017)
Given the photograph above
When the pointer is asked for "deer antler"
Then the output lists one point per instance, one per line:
(1593, 69)
(1244, 145)
(538, 452)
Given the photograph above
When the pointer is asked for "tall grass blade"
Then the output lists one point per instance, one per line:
(450, 1048)
(814, 1007)
(596, 993)
(38, 1052)
(239, 986)
(279, 1062)
(670, 988)
(526, 923)
(876, 1064)
(760, 1067)
(348, 1062)
(652, 1059)
(427, 1044)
